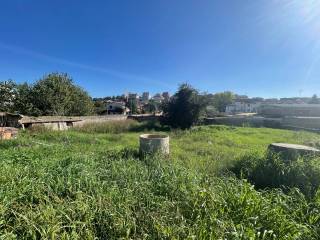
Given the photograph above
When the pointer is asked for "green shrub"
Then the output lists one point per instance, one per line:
(184, 108)
(270, 171)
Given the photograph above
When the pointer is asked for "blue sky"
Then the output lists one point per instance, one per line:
(268, 48)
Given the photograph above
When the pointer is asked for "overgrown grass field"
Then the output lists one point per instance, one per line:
(218, 183)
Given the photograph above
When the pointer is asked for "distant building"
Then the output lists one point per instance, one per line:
(145, 96)
(116, 108)
(295, 100)
(271, 101)
(166, 96)
(241, 96)
(245, 105)
(158, 98)
(132, 96)
(257, 99)
(125, 96)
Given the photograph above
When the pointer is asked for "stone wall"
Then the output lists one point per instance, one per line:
(302, 122)
(285, 110)
(237, 121)
(99, 119)
(144, 117)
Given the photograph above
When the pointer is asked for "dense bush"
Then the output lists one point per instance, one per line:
(270, 171)
(221, 100)
(184, 108)
(54, 94)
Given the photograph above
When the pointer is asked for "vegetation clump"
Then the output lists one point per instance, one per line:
(108, 127)
(128, 125)
(271, 171)
(55, 94)
(184, 108)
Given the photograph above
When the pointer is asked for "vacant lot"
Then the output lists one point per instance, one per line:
(90, 183)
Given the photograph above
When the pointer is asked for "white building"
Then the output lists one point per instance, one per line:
(116, 108)
(158, 98)
(243, 107)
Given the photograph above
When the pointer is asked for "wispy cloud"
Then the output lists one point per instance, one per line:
(118, 74)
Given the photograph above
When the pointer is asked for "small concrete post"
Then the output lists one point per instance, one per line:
(154, 143)
(293, 151)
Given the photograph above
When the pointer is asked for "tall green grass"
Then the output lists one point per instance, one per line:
(84, 185)
(116, 195)
(108, 127)
(120, 127)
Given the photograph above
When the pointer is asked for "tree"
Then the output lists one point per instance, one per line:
(314, 99)
(56, 94)
(133, 106)
(100, 106)
(24, 102)
(184, 109)
(211, 111)
(221, 100)
(151, 107)
(8, 94)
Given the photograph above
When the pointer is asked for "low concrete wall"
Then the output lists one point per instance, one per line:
(105, 117)
(298, 123)
(302, 122)
(99, 119)
(63, 123)
(56, 126)
(244, 121)
(144, 117)
(285, 110)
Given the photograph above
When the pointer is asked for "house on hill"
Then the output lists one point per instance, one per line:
(114, 107)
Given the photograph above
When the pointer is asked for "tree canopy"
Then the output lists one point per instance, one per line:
(54, 94)
(132, 104)
(221, 100)
(184, 108)
(8, 92)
